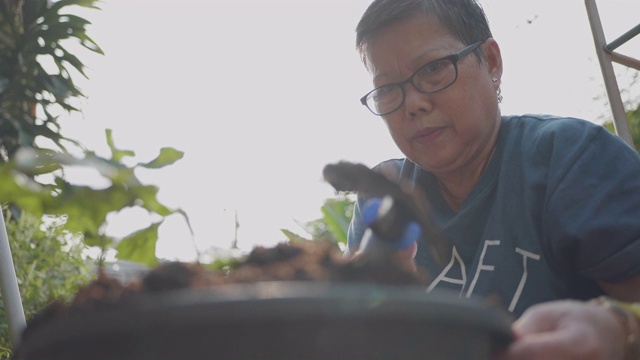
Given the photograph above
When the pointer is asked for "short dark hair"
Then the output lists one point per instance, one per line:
(465, 19)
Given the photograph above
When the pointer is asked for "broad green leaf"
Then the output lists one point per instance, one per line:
(335, 225)
(147, 195)
(140, 246)
(86, 207)
(335, 217)
(33, 162)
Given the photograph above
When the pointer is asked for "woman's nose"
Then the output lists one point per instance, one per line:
(416, 103)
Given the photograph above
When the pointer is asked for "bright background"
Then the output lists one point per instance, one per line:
(260, 95)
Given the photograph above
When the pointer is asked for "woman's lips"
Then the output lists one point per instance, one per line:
(427, 135)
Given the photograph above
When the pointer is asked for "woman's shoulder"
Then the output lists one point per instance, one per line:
(564, 131)
(549, 124)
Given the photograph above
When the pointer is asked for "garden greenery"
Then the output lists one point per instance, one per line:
(32, 97)
(49, 266)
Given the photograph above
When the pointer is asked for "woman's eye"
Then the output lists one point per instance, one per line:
(435, 66)
(386, 89)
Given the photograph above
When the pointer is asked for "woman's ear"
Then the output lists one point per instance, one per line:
(493, 58)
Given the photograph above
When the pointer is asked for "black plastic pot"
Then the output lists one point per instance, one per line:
(278, 321)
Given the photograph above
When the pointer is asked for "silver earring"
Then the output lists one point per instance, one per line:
(499, 91)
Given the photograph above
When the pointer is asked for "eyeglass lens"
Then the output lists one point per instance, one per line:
(432, 77)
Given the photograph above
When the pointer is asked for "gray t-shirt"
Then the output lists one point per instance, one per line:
(557, 209)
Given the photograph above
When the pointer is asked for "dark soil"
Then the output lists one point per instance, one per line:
(303, 261)
(110, 320)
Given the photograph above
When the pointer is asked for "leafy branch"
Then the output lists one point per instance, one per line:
(32, 32)
(86, 208)
(32, 176)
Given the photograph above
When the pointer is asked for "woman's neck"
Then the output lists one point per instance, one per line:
(456, 186)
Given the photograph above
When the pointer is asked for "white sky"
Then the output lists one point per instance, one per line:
(261, 95)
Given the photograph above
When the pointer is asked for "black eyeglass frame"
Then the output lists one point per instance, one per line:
(454, 58)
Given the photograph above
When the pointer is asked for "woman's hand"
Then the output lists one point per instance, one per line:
(567, 330)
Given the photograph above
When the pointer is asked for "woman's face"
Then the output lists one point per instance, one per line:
(444, 131)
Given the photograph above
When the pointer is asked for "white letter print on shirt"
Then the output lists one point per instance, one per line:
(463, 282)
(481, 265)
(455, 258)
(525, 254)
(443, 277)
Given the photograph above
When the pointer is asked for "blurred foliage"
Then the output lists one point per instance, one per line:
(633, 117)
(85, 207)
(225, 263)
(33, 34)
(334, 223)
(49, 266)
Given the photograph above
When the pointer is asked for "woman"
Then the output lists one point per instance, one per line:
(537, 208)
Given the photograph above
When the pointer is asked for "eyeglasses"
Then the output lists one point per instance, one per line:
(432, 77)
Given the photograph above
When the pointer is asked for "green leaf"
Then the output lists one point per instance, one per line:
(167, 156)
(17, 188)
(71, 59)
(74, 21)
(140, 246)
(293, 237)
(62, 3)
(148, 195)
(53, 32)
(59, 87)
(93, 239)
(32, 162)
(88, 43)
(34, 9)
(31, 97)
(335, 217)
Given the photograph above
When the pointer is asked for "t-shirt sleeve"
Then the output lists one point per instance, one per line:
(592, 220)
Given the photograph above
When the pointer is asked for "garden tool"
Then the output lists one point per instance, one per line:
(401, 205)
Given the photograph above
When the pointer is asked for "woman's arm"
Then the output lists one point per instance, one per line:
(600, 329)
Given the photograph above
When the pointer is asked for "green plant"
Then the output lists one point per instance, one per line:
(33, 152)
(86, 208)
(33, 34)
(334, 223)
(49, 266)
